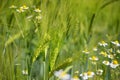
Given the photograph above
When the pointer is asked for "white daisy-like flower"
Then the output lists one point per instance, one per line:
(39, 17)
(114, 64)
(20, 10)
(90, 74)
(106, 63)
(76, 72)
(95, 49)
(94, 58)
(24, 7)
(87, 75)
(13, 6)
(62, 75)
(115, 43)
(86, 51)
(118, 51)
(110, 56)
(37, 10)
(103, 43)
(103, 53)
(25, 72)
(99, 72)
(75, 78)
(84, 76)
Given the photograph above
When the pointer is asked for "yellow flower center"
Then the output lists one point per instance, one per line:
(89, 73)
(13, 6)
(37, 9)
(115, 62)
(77, 72)
(103, 42)
(94, 57)
(116, 42)
(86, 50)
(20, 9)
(111, 56)
(24, 6)
(63, 74)
(75, 77)
(106, 62)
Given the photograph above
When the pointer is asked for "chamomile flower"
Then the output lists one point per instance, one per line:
(115, 43)
(75, 78)
(103, 43)
(86, 51)
(93, 58)
(114, 64)
(95, 49)
(106, 63)
(20, 10)
(103, 53)
(99, 72)
(118, 51)
(90, 74)
(76, 72)
(110, 56)
(87, 75)
(84, 76)
(13, 6)
(39, 17)
(62, 75)
(37, 10)
(24, 7)
(25, 72)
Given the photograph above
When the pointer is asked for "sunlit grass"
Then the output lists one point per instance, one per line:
(59, 40)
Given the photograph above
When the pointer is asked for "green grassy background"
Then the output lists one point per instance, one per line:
(56, 41)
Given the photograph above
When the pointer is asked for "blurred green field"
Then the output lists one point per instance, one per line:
(39, 37)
